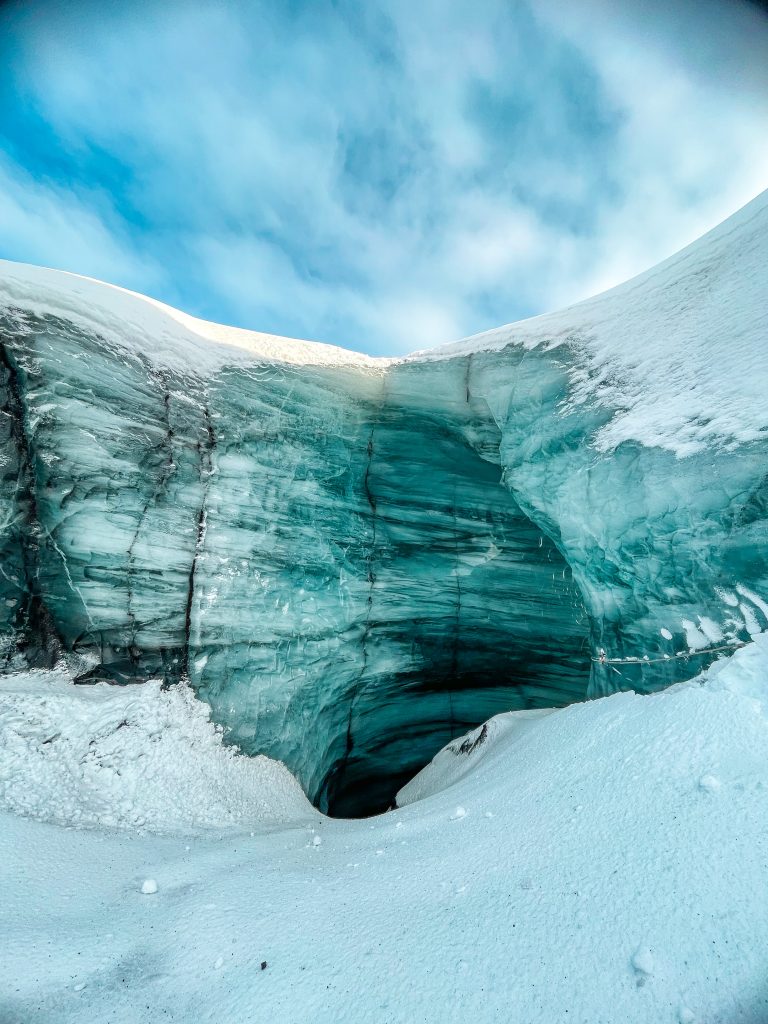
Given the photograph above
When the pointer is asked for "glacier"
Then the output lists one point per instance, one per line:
(356, 560)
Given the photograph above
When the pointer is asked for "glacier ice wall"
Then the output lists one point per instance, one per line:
(354, 561)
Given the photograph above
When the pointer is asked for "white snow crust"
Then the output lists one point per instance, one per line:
(681, 351)
(129, 756)
(607, 862)
(167, 336)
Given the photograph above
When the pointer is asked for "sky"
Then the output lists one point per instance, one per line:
(384, 175)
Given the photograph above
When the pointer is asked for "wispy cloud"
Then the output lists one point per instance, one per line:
(386, 175)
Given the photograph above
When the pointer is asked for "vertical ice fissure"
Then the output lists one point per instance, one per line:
(371, 499)
(205, 451)
(36, 623)
(457, 617)
(357, 688)
(165, 472)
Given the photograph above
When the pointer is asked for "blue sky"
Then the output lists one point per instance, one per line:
(382, 175)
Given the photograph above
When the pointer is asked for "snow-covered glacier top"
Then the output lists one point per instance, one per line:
(169, 337)
(681, 351)
(678, 352)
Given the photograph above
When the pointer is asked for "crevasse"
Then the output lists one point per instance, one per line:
(355, 560)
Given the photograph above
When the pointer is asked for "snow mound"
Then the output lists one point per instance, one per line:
(130, 757)
(461, 756)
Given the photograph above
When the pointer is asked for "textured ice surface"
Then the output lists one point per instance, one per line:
(355, 560)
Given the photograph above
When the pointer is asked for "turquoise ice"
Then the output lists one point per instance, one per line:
(355, 560)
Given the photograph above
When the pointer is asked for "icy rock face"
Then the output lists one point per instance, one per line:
(355, 562)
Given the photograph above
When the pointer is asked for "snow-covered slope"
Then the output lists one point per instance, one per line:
(130, 757)
(168, 337)
(605, 863)
(679, 354)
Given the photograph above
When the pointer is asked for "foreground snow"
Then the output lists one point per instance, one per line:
(603, 863)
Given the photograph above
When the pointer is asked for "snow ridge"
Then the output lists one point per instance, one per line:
(679, 352)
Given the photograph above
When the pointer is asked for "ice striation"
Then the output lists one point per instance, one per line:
(356, 560)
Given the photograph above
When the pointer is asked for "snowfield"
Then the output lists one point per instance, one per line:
(607, 862)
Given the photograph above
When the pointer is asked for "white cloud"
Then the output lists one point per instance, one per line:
(54, 227)
(384, 177)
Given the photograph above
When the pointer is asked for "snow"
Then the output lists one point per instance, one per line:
(168, 336)
(678, 352)
(710, 783)
(642, 961)
(753, 597)
(694, 637)
(130, 756)
(612, 882)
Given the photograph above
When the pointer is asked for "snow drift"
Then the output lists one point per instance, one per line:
(130, 757)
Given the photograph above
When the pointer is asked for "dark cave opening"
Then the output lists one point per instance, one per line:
(396, 739)
(473, 612)
(399, 721)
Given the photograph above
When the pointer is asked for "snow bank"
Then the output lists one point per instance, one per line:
(127, 757)
(604, 862)
(461, 756)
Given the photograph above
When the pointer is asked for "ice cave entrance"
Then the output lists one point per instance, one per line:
(523, 650)
(474, 612)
